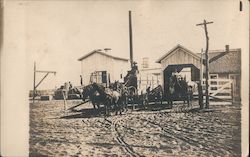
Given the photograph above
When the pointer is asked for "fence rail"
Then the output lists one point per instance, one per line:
(220, 88)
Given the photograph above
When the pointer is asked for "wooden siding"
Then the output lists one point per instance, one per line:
(98, 62)
(180, 57)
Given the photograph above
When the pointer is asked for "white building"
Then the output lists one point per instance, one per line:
(98, 66)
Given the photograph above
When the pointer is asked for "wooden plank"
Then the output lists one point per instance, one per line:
(223, 97)
(219, 90)
(222, 91)
(221, 85)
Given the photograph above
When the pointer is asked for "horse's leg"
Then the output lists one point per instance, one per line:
(126, 104)
(123, 104)
(107, 106)
(143, 103)
(132, 102)
(184, 101)
(120, 107)
(116, 108)
(188, 100)
(94, 105)
(106, 110)
(147, 104)
(171, 102)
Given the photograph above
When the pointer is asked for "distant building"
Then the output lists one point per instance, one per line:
(149, 77)
(98, 66)
(145, 62)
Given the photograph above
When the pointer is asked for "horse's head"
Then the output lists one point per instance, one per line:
(99, 88)
(86, 92)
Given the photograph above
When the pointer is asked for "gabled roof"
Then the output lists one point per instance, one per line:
(228, 63)
(169, 53)
(101, 53)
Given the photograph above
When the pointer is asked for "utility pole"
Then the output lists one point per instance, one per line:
(130, 40)
(200, 90)
(206, 60)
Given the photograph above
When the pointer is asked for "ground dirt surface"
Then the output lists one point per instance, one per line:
(180, 131)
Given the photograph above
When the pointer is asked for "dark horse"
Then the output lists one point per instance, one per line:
(177, 89)
(98, 95)
(90, 93)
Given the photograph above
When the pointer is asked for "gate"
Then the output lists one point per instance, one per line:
(220, 88)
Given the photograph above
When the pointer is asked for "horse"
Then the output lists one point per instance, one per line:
(89, 92)
(177, 88)
(109, 97)
(123, 91)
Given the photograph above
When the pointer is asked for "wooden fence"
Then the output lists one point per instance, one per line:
(220, 88)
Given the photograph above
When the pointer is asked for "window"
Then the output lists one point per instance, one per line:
(213, 76)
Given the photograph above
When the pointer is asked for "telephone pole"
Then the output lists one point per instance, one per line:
(130, 39)
(205, 23)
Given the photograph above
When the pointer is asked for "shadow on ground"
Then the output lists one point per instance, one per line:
(92, 113)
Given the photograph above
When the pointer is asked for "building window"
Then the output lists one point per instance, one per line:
(213, 76)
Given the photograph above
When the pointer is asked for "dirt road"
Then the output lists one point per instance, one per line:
(180, 131)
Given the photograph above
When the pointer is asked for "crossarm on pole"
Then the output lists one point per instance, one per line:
(41, 71)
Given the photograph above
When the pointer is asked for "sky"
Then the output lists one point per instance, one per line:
(56, 33)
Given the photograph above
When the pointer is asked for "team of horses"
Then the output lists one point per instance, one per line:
(117, 97)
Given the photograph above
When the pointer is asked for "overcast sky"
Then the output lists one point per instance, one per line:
(57, 33)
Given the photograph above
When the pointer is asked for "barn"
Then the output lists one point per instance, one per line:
(224, 71)
(101, 67)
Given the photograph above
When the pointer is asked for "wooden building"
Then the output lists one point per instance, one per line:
(224, 69)
(180, 60)
(98, 66)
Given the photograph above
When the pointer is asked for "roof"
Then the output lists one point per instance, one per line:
(228, 63)
(101, 53)
(224, 62)
(174, 50)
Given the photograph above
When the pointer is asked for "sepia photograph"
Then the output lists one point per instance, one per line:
(125, 78)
